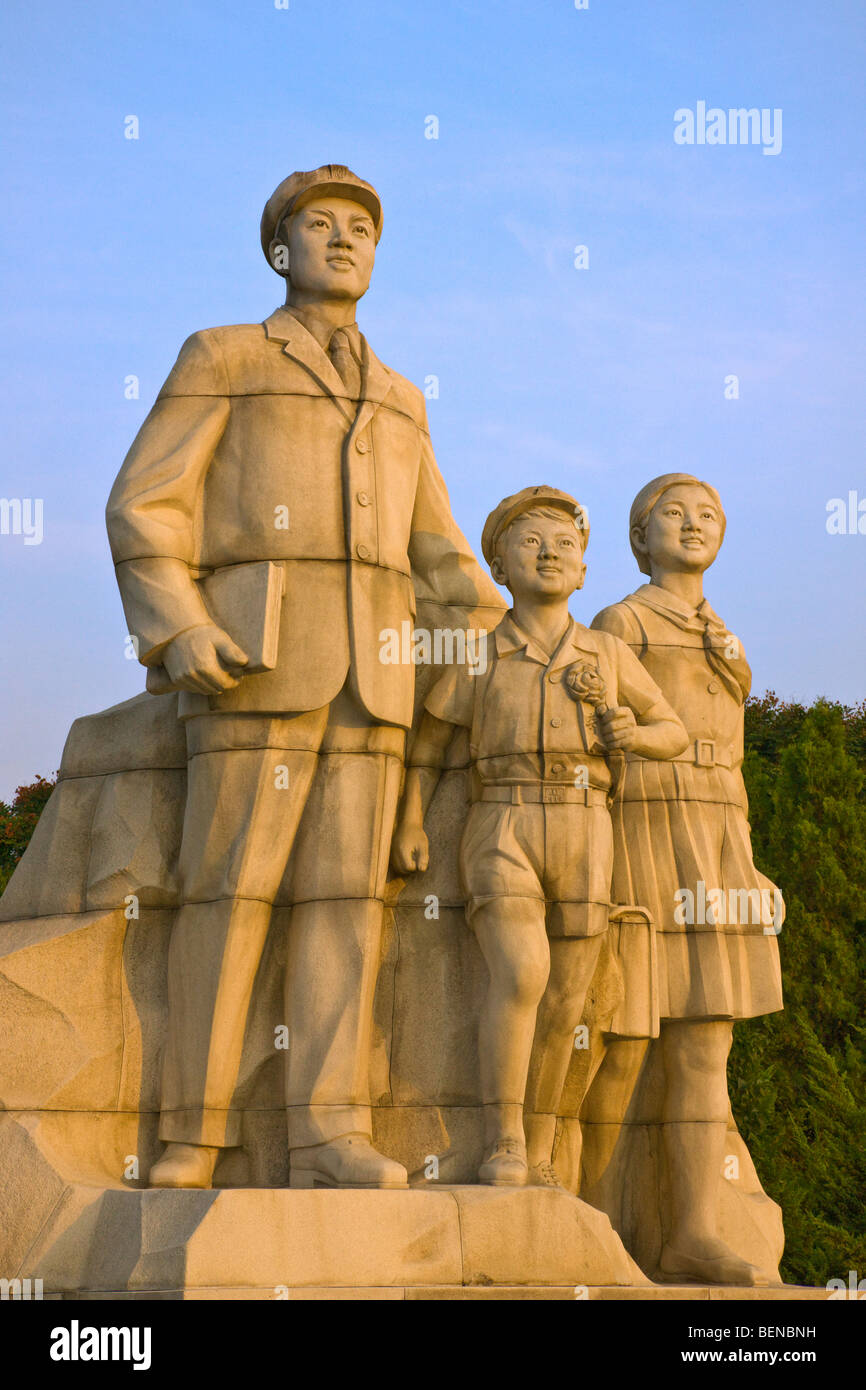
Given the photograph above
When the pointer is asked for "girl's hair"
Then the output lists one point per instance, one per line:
(649, 496)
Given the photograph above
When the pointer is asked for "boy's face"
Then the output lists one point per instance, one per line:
(541, 557)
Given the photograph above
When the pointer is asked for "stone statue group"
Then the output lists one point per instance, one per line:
(279, 509)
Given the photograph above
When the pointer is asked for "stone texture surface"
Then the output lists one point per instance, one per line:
(101, 1241)
(538, 1236)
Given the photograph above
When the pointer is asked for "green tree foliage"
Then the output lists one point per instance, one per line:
(18, 821)
(798, 1078)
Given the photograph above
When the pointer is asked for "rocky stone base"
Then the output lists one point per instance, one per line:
(279, 1243)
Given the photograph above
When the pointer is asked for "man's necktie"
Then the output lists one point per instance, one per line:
(345, 361)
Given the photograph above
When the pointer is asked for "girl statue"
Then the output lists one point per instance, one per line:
(683, 851)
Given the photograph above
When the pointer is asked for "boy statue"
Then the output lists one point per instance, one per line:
(544, 702)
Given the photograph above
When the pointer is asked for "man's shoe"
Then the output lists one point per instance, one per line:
(350, 1161)
(505, 1165)
(184, 1165)
(725, 1267)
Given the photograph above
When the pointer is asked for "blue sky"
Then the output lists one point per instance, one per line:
(555, 130)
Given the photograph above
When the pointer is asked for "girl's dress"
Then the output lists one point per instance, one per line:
(681, 833)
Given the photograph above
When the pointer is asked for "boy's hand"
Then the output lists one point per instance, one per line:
(410, 851)
(618, 727)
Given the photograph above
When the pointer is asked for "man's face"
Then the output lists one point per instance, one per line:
(684, 531)
(541, 557)
(332, 246)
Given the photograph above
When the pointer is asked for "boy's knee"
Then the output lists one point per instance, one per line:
(564, 1012)
(515, 947)
(527, 984)
(572, 964)
(521, 978)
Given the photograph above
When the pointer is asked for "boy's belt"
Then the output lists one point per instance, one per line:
(542, 793)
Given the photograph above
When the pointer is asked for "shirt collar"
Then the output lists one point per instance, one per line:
(654, 596)
(510, 637)
(322, 331)
(664, 602)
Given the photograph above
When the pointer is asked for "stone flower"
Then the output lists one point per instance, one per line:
(584, 682)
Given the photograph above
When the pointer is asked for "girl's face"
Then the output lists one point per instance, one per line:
(684, 531)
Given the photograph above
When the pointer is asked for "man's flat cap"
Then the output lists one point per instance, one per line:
(510, 508)
(298, 188)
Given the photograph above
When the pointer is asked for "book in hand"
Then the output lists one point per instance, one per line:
(245, 601)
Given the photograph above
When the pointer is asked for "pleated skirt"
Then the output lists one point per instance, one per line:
(682, 849)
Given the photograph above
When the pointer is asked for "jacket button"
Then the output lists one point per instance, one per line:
(558, 769)
(553, 677)
(363, 552)
(713, 687)
(555, 722)
(362, 446)
(363, 498)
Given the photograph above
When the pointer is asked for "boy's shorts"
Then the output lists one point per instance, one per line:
(558, 854)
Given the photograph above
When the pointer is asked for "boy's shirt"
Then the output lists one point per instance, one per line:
(524, 725)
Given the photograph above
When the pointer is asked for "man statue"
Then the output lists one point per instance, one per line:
(283, 493)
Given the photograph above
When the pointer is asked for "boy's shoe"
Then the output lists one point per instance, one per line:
(545, 1175)
(505, 1165)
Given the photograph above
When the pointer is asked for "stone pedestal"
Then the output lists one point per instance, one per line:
(277, 1243)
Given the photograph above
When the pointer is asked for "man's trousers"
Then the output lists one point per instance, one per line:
(321, 787)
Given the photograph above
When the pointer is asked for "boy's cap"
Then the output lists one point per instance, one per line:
(299, 187)
(510, 508)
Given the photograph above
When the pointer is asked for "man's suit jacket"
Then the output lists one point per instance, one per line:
(254, 419)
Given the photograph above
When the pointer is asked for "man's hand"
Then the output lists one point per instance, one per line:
(618, 728)
(204, 659)
(410, 850)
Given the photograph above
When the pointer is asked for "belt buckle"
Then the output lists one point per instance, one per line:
(553, 795)
(705, 752)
